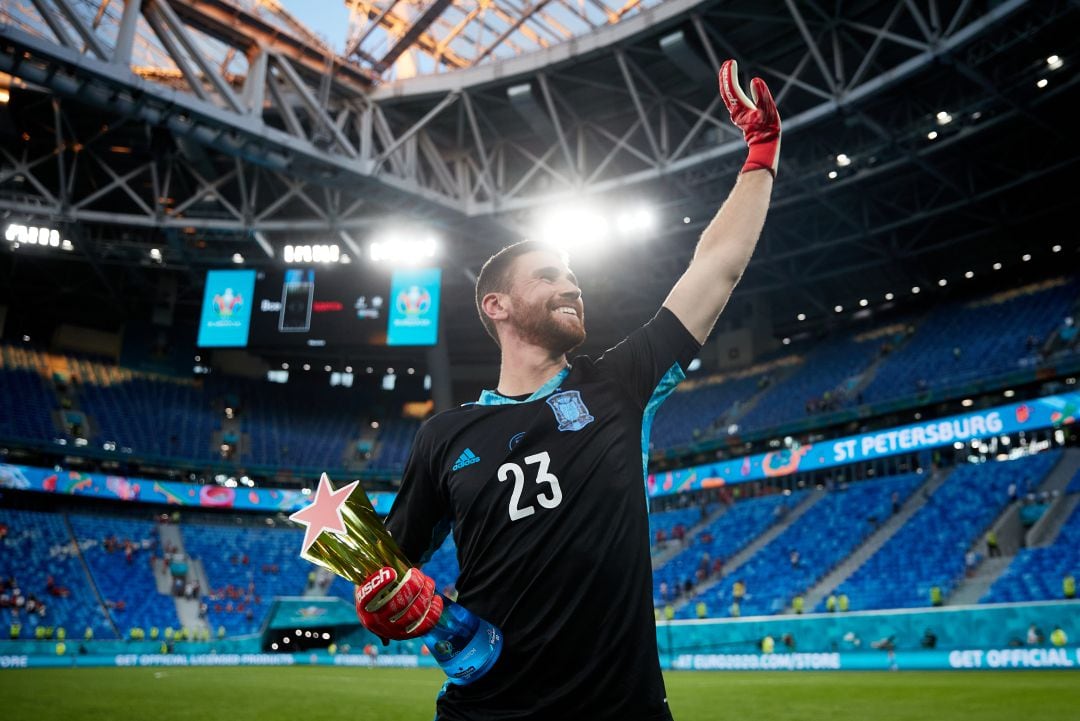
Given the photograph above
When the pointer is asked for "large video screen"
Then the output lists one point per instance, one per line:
(226, 309)
(344, 306)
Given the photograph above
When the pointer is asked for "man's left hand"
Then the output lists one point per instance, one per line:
(755, 116)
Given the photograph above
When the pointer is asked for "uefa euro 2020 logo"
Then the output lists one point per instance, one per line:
(414, 301)
(225, 303)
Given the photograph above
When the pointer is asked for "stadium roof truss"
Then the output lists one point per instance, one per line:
(230, 116)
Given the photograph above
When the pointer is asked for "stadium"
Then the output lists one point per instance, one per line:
(241, 247)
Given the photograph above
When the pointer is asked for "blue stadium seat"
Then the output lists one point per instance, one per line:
(929, 550)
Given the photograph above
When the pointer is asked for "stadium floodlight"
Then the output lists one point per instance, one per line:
(959, 445)
(284, 366)
(307, 366)
(889, 296)
(1055, 249)
(348, 369)
(326, 368)
(18, 234)
(786, 341)
(864, 302)
(237, 258)
(800, 316)
(969, 275)
(839, 309)
(635, 223)
(997, 266)
(1025, 257)
(155, 255)
(1009, 393)
(686, 220)
(843, 160)
(1054, 62)
(932, 135)
(942, 282)
(318, 253)
(967, 403)
(1042, 83)
(403, 248)
(574, 228)
(833, 175)
(915, 289)
(943, 118)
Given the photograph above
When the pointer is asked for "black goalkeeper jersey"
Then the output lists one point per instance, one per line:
(546, 498)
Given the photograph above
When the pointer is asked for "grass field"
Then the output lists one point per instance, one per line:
(333, 694)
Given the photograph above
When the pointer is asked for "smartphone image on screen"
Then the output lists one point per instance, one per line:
(297, 293)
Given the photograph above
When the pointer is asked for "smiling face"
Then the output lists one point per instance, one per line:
(545, 306)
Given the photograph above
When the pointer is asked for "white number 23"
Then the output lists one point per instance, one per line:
(507, 470)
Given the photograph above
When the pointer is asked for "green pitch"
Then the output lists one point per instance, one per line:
(345, 694)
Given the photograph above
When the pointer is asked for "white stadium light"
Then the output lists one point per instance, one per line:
(839, 309)
(944, 118)
(843, 160)
(801, 316)
(1025, 257)
(997, 266)
(237, 258)
(399, 249)
(18, 234)
(318, 253)
(932, 135)
(943, 282)
(574, 229)
(1054, 62)
(833, 175)
(1043, 82)
(636, 222)
(889, 296)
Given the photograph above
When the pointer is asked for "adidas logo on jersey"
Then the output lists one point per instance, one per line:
(467, 458)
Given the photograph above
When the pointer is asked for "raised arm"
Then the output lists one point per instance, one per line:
(725, 247)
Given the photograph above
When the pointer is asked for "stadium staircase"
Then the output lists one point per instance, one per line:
(1046, 528)
(731, 566)
(89, 576)
(1048, 533)
(879, 538)
(972, 589)
(187, 609)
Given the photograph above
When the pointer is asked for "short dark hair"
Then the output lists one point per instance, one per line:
(495, 275)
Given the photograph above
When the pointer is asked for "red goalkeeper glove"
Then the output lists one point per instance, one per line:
(755, 116)
(398, 609)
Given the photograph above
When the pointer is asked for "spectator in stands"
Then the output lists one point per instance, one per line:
(929, 639)
(936, 597)
(789, 641)
(718, 567)
(1068, 587)
(895, 502)
(1012, 493)
(971, 560)
(679, 533)
(842, 603)
(1058, 637)
(701, 610)
(793, 557)
(830, 603)
(1034, 635)
(738, 591)
(797, 604)
(992, 548)
(664, 591)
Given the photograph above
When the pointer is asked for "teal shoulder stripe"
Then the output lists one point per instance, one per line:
(663, 389)
(491, 398)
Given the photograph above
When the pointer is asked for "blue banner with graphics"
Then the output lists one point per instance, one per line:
(414, 307)
(122, 488)
(1051, 411)
(226, 309)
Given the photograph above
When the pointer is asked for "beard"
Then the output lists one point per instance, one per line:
(540, 325)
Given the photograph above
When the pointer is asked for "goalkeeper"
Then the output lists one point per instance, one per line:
(542, 479)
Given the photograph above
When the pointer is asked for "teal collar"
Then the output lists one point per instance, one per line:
(491, 398)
